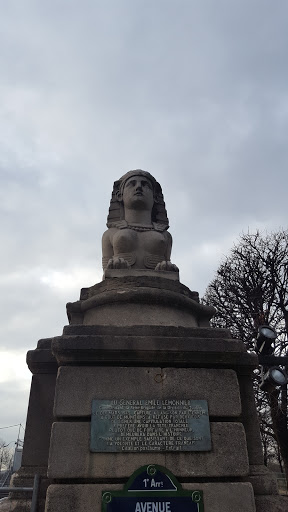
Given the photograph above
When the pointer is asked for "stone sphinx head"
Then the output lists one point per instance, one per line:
(150, 197)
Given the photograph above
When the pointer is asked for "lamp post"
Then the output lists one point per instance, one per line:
(272, 375)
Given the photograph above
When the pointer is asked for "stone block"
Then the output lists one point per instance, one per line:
(271, 503)
(132, 299)
(218, 497)
(228, 457)
(77, 387)
(41, 360)
(116, 273)
(226, 497)
(152, 330)
(218, 386)
(115, 348)
(250, 420)
(11, 505)
(77, 498)
(262, 480)
(39, 420)
(138, 314)
(70, 456)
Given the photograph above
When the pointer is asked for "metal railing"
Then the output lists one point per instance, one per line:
(5, 477)
(34, 490)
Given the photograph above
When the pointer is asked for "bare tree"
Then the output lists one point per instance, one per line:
(5, 455)
(251, 289)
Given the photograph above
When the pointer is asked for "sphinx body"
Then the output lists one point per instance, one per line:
(137, 235)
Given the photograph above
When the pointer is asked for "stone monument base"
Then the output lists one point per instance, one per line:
(144, 337)
(106, 362)
(137, 297)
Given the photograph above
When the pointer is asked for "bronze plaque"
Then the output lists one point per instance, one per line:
(150, 425)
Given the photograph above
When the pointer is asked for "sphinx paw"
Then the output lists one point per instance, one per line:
(168, 266)
(117, 263)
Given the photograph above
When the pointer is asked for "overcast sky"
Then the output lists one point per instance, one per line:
(195, 92)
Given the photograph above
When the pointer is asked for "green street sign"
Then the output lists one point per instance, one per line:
(152, 488)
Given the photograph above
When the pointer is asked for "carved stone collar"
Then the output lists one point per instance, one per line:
(123, 224)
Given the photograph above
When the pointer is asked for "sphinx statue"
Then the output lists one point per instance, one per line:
(137, 235)
(140, 284)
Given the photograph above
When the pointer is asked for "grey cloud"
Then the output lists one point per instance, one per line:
(194, 92)
(14, 399)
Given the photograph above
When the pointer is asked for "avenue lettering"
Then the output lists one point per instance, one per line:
(151, 506)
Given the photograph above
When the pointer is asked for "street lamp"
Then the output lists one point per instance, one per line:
(274, 381)
(274, 377)
(265, 337)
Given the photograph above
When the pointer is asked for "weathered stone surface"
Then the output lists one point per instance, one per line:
(77, 498)
(70, 456)
(120, 350)
(262, 480)
(207, 384)
(39, 420)
(132, 300)
(226, 497)
(158, 314)
(249, 418)
(11, 505)
(271, 503)
(41, 360)
(136, 280)
(25, 478)
(218, 497)
(116, 273)
(228, 457)
(153, 330)
(77, 387)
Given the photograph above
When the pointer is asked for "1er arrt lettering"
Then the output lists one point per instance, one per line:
(152, 483)
(151, 506)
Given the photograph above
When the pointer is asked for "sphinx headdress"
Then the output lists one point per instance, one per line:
(116, 210)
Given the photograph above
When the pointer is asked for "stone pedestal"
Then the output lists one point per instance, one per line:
(139, 297)
(145, 336)
(138, 336)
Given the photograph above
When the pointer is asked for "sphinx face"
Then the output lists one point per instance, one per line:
(138, 193)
